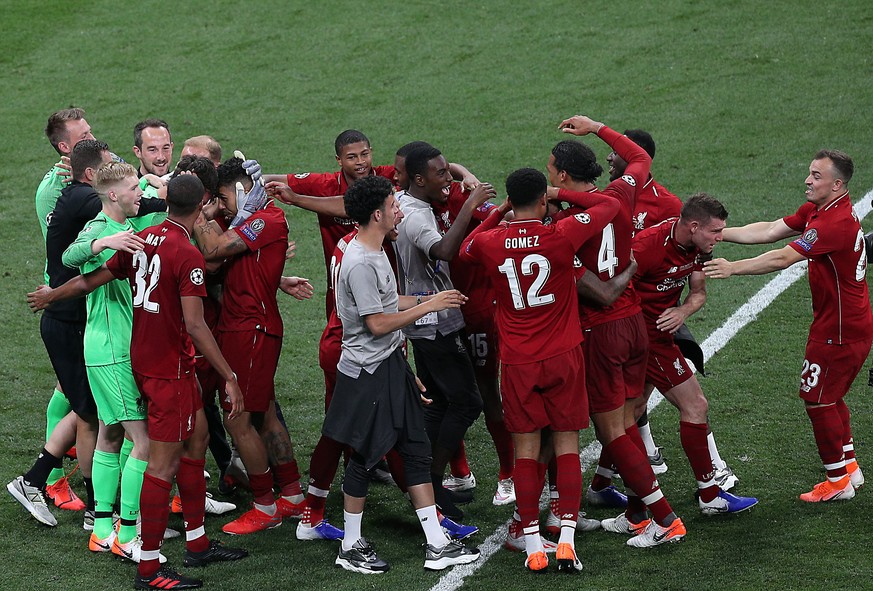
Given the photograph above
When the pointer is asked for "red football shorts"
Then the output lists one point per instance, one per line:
(548, 393)
(829, 370)
(330, 347)
(253, 355)
(667, 367)
(210, 381)
(616, 353)
(172, 406)
(482, 343)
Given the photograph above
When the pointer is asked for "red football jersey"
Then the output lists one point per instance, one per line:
(167, 269)
(252, 278)
(664, 269)
(833, 241)
(530, 266)
(654, 205)
(609, 253)
(330, 184)
(466, 275)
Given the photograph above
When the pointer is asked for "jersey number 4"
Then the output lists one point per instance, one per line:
(146, 279)
(534, 298)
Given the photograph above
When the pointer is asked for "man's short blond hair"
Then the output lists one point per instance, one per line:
(111, 173)
(205, 142)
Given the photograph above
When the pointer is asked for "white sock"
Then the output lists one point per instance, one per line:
(646, 434)
(567, 535)
(430, 523)
(352, 526)
(533, 543)
(717, 462)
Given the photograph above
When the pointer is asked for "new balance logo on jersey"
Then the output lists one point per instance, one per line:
(677, 365)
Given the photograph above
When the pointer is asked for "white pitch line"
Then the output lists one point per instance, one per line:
(748, 312)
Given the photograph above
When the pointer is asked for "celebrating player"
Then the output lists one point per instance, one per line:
(842, 325)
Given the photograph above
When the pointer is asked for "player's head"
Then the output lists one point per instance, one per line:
(429, 174)
(572, 161)
(401, 178)
(643, 139)
(829, 176)
(203, 145)
(205, 171)
(118, 186)
(153, 145)
(354, 154)
(371, 200)
(230, 173)
(66, 128)
(87, 156)
(703, 216)
(184, 195)
(526, 191)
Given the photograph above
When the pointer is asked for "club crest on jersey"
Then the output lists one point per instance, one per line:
(640, 220)
(197, 276)
(629, 180)
(583, 218)
(301, 175)
(807, 240)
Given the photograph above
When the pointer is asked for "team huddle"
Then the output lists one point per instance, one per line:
(559, 307)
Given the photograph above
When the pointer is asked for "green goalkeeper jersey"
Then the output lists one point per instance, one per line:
(109, 307)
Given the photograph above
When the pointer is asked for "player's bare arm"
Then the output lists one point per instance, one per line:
(772, 260)
(447, 247)
(460, 173)
(215, 244)
(672, 318)
(201, 336)
(604, 293)
(385, 322)
(77, 287)
(332, 206)
(759, 233)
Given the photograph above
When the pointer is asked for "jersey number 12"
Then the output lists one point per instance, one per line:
(533, 293)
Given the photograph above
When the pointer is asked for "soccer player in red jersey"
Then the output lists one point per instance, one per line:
(322, 192)
(530, 266)
(831, 239)
(615, 345)
(250, 334)
(167, 278)
(670, 255)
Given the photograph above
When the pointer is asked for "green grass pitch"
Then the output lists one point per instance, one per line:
(738, 95)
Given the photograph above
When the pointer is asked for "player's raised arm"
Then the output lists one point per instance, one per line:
(332, 206)
(448, 246)
(759, 232)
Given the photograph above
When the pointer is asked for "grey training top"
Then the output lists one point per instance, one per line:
(366, 285)
(419, 274)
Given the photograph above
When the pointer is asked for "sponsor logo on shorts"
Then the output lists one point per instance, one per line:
(629, 180)
(640, 220)
(677, 365)
(583, 218)
(197, 276)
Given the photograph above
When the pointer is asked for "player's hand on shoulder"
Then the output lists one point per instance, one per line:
(66, 170)
(580, 125)
(38, 300)
(125, 240)
(717, 269)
